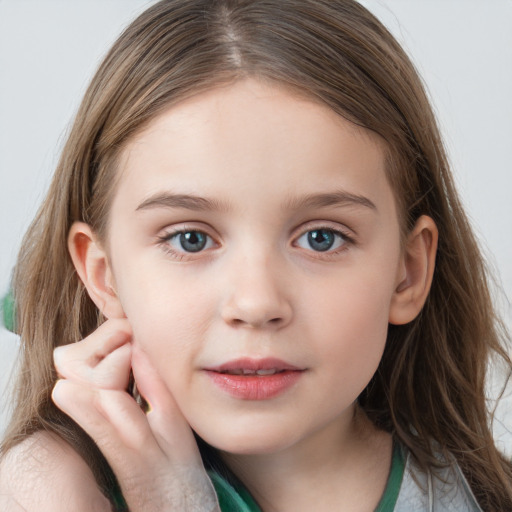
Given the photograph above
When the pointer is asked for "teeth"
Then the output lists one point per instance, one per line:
(245, 371)
(266, 372)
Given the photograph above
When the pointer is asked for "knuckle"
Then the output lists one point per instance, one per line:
(59, 356)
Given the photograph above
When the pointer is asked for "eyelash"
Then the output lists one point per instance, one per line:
(347, 240)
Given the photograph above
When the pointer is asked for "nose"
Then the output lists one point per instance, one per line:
(257, 295)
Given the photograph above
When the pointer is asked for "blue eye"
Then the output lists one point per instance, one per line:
(322, 240)
(189, 241)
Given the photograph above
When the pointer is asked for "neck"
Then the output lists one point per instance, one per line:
(332, 467)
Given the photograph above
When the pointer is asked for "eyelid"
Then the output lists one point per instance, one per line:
(184, 227)
(345, 231)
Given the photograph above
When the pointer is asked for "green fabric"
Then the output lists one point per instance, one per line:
(231, 499)
(8, 313)
(118, 501)
(396, 474)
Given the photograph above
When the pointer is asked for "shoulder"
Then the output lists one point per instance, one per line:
(43, 473)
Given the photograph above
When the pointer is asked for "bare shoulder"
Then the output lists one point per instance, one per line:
(43, 473)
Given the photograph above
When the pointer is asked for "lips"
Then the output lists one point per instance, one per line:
(255, 379)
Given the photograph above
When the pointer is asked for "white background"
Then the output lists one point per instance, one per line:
(463, 49)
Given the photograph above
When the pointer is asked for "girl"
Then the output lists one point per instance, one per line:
(252, 285)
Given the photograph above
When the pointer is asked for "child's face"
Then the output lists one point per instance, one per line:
(260, 183)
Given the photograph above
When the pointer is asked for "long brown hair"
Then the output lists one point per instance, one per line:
(429, 389)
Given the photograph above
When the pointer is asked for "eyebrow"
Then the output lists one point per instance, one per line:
(184, 201)
(339, 198)
(198, 203)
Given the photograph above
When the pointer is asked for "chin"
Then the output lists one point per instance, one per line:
(248, 443)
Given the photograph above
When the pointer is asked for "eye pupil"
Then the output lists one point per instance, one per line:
(321, 239)
(193, 241)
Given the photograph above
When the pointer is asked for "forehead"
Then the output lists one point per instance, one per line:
(251, 141)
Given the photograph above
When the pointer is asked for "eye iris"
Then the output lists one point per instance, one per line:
(193, 241)
(321, 239)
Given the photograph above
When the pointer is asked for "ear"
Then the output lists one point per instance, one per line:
(415, 273)
(92, 265)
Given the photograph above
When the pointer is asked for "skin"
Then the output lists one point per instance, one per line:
(258, 289)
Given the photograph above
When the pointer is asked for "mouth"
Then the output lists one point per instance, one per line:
(249, 366)
(246, 371)
(255, 379)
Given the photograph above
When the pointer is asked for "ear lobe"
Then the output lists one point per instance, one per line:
(91, 263)
(417, 271)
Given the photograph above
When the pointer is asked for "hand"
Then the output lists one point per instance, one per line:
(154, 455)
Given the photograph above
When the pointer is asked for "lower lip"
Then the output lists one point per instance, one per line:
(254, 387)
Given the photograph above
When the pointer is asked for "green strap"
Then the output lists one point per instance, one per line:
(118, 501)
(396, 474)
(231, 499)
(8, 312)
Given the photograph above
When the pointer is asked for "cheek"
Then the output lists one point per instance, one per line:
(357, 325)
(168, 316)
(350, 325)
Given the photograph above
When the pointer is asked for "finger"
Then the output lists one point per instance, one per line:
(113, 372)
(102, 359)
(169, 426)
(95, 347)
(113, 419)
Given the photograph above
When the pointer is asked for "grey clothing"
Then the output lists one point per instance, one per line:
(446, 490)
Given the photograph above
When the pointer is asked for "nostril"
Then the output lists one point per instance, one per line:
(241, 311)
(255, 323)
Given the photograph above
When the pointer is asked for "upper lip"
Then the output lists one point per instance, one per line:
(246, 363)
